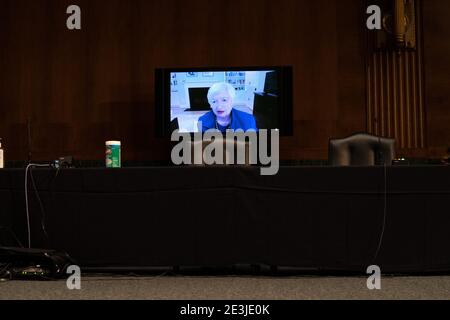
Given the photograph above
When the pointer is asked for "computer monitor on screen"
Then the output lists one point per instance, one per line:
(198, 100)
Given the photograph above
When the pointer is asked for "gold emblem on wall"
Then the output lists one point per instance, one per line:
(399, 25)
(395, 78)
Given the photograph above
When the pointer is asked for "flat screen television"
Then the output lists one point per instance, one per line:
(259, 96)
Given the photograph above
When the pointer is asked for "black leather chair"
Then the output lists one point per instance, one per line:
(361, 149)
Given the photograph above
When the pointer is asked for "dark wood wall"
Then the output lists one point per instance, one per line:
(76, 89)
(437, 74)
(80, 88)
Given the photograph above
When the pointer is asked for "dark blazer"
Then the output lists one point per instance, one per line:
(239, 120)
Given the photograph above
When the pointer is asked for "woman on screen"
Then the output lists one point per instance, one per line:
(222, 115)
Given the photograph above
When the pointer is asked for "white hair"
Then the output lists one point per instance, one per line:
(221, 87)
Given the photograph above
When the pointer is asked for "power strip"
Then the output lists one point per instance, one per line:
(31, 272)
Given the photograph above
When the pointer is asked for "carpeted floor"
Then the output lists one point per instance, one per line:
(225, 288)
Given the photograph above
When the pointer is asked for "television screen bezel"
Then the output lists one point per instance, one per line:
(163, 90)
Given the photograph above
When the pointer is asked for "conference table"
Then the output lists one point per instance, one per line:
(306, 217)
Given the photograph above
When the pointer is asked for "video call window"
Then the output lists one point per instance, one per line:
(223, 100)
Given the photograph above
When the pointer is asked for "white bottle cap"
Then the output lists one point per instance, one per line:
(112, 143)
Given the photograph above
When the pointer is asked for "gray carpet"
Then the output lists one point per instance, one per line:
(224, 288)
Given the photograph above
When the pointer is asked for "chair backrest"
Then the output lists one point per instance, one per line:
(361, 149)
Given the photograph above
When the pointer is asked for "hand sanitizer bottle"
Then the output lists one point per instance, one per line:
(2, 161)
